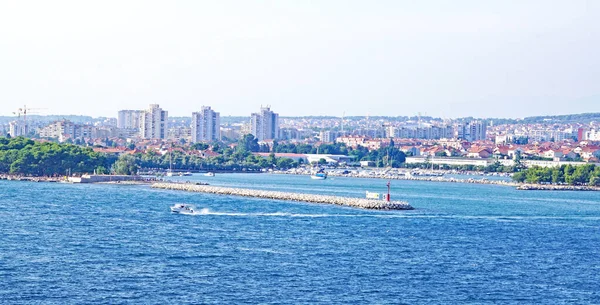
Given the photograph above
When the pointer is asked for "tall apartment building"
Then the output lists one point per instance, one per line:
(154, 123)
(477, 130)
(206, 125)
(18, 128)
(472, 131)
(265, 125)
(65, 129)
(290, 133)
(129, 119)
(328, 136)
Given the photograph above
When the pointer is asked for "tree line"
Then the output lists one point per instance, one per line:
(27, 157)
(588, 174)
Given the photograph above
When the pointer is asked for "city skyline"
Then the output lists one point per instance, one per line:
(442, 59)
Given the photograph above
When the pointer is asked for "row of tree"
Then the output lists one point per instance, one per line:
(588, 174)
(27, 157)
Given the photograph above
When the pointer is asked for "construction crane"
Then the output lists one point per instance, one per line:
(24, 111)
(24, 130)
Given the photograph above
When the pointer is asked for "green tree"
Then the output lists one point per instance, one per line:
(249, 143)
(126, 165)
(558, 175)
(284, 163)
(519, 177)
(101, 170)
(199, 146)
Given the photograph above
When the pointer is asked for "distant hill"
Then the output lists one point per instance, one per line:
(550, 119)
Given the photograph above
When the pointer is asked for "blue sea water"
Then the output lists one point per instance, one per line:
(464, 243)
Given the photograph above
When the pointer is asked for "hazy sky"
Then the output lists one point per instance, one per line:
(441, 58)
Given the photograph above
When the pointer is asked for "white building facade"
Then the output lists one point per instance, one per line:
(206, 125)
(18, 128)
(472, 131)
(63, 130)
(154, 123)
(265, 125)
(129, 119)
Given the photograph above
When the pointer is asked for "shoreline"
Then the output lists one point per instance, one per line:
(383, 176)
(517, 185)
(362, 203)
(414, 178)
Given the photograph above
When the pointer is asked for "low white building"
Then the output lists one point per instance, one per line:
(330, 159)
(450, 161)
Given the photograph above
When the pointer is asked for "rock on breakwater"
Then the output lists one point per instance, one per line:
(554, 187)
(312, 198)
(386, 176)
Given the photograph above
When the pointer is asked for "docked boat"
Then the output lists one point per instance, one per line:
(187, 174)
(209, 174)
(182, 208)
(423, 174)
(319, 175)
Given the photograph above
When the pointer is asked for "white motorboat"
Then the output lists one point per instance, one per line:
(209, 174)
(182, 208)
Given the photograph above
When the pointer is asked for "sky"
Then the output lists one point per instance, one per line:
(453, 58)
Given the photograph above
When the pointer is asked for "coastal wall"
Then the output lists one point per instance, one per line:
(324, 199)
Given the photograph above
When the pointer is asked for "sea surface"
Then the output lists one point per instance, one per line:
(463, 243)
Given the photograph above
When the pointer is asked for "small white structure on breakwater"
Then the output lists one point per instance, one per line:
(106, 178)
(312, 198)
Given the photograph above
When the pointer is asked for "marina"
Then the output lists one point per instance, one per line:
(363, 203)
(399, 175)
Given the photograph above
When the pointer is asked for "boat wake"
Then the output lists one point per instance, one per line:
(208, 212)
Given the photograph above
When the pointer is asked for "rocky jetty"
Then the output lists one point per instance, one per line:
(388, 176)
(554, 187)
(312, 198)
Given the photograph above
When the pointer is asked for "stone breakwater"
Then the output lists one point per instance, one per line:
(415, 178)
(554, 187)
(311, 198)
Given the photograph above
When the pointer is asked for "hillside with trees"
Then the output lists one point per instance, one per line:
(27, 157)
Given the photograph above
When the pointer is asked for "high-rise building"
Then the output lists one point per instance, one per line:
(129, 119)
(206, 125)
(472, 131)
(580, 134)
(328, 136)
(265, 125)
(64, 129)
(153, 123)
(18, 128)
(477, 130)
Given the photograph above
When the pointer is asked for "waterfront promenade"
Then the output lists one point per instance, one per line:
(311, 198)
